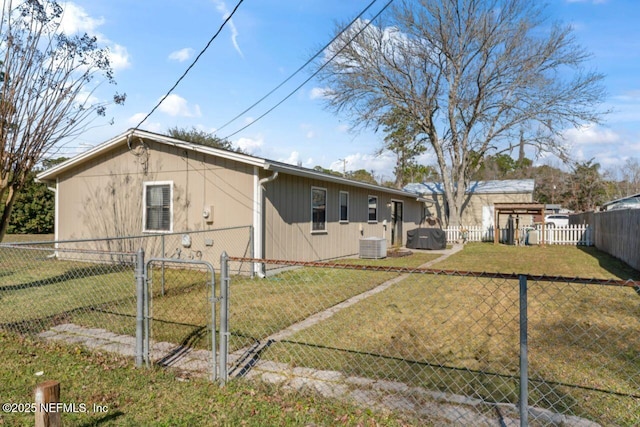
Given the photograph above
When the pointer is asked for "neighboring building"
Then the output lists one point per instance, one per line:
(142, 183)
(480, 197)
(629, 202)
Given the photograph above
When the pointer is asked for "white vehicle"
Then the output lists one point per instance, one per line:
(556, 220)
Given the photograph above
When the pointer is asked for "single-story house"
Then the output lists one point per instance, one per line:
(144, 183)
(480, 197)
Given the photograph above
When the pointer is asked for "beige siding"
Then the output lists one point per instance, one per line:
(472, 213)
(104, 198)
(288, 233)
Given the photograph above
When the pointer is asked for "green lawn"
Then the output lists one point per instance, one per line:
(446, 332)
(550, 260)
(13, 238)
(460, 334)
(141, 397)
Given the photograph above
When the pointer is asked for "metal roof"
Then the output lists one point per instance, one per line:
(477, 187)
(629, 202)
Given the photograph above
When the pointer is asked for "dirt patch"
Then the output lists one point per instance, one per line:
(397, 253)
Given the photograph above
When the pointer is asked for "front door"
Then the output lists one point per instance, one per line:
(396, 223)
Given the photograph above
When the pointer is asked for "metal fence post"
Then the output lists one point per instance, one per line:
(214, 301)
(524, 361)
(224, 316)
(147, 318)
(253, 252)
(164, 255)
(140, 285)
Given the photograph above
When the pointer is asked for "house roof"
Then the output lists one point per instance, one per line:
(477, 187)
(51, 174)
(629, 202)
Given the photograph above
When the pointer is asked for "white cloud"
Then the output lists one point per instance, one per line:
(87, 97)
(250, 145)
(319, 93)
(135, 119)
(590, 134)
(294, 159)
(222, 8)
(381, 165)
(181, 55)
(76, 20)
(150, 126)
(119, 57)
(174, 105)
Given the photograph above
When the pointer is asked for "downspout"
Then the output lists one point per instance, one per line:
(258, 211)
(56, 214)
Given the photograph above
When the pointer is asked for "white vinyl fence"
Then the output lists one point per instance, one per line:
(569, 235)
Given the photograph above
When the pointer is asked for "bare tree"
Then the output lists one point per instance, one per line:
(476, 76)
(631, 176)
(46, 92)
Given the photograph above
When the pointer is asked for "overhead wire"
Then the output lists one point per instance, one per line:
(228, 18)
(315, 73)
(298, 70)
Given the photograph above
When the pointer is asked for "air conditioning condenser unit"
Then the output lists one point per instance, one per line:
(373, 247)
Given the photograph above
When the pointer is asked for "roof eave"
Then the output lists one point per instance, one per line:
(50, 174)
(308, 173)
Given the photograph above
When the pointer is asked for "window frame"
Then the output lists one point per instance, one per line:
(146, 185)
(345, 220)
(377, 208)
(324, 229)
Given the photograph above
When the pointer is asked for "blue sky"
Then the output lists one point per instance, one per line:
(153, 43)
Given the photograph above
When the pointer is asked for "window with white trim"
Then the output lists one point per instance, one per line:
(158, 206)
(344, 206)
(318, 209)
(373, 208)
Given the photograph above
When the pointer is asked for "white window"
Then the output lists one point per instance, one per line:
(158, 206)
(344, 206)
(373, 209)
(318, 209)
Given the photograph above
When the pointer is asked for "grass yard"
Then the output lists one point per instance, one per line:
(460, 335)
(38, 292)
(14, 238)
(141, 397)
(550, 260)
(259, 308)
(441, 332)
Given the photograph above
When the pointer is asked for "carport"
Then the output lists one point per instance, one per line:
(517, 209)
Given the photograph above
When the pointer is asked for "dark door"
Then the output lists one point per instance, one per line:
(396, 223)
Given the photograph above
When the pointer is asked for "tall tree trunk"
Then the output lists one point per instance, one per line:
(6, 212)
(521, 152)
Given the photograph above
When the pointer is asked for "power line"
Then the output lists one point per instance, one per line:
(315, 73)
(299, 69)
(192, 64)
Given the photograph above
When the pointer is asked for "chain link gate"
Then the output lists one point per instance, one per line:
(176, 316)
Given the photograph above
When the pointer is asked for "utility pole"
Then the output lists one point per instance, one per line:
(344, 167)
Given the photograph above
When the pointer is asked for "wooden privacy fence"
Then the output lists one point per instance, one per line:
(579, 234)
(617, 233)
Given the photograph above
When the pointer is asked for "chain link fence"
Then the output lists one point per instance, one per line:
(448, 347)
(42, 286)
(202, 245)
(91, 283)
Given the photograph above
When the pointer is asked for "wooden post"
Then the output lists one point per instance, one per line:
(46, 393)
